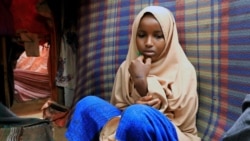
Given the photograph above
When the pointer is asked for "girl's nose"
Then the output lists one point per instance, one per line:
(149, 42)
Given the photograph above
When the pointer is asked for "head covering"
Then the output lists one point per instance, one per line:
(171, 64)
(167, 23)
(173, 76)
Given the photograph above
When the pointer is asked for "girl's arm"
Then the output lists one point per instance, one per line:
(139, 71)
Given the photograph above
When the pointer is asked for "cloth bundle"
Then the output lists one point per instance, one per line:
(241, 128)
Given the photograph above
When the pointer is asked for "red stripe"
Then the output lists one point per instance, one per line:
(132, 15)
(117, 29)
(180, 21)
(223, 105)
(156, 2)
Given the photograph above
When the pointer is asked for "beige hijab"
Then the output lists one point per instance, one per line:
(172, 78)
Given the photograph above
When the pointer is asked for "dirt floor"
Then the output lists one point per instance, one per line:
(33, 109)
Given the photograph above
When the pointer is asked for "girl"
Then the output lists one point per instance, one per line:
(154, 96)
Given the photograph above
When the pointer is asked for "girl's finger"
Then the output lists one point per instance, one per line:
(146, 98)
(141, 57)
(157, 105)
(148, 61)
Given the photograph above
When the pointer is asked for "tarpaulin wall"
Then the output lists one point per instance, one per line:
(215, 35)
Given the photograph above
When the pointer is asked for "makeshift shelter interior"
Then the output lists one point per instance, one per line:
(35, 38)
(32, 36)
(213, 34)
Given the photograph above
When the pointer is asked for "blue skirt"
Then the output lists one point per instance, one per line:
(138, 122)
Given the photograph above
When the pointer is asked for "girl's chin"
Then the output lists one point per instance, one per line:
(145, 57)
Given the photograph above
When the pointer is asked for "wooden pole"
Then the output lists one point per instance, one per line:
(5, 72)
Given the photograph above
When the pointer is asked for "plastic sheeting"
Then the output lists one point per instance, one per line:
(31, 76)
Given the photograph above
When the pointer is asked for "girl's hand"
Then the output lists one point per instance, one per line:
(150, 100)
(139, 69)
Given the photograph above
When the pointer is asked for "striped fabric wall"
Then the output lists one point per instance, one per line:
(215, 35)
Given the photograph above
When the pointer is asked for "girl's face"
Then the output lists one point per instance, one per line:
(150, 39)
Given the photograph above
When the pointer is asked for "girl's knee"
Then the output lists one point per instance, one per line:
(137, 108)
(88, 99)
(87, 102)
(136, 112)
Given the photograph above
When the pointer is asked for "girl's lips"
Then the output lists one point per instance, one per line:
(148, 53)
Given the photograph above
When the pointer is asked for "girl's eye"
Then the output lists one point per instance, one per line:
(159, 36)
(140, 35)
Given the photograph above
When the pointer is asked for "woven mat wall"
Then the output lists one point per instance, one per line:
(215, 35)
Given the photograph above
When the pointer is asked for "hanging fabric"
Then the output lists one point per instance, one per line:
(66, 74)
(31, 76)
